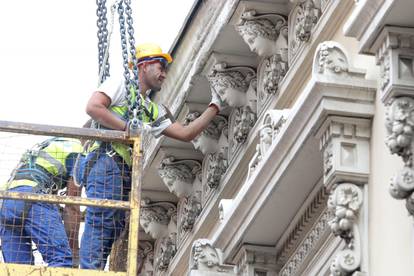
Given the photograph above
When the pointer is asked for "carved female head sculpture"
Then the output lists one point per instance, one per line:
(179, 175)
(260, 31)
(207, 141)
(204, 256)
(231, 82)
(155, 218)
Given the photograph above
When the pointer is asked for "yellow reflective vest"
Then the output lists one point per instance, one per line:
(151, 115)
(51, 155)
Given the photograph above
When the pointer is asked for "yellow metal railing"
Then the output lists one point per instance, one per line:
(133, 205)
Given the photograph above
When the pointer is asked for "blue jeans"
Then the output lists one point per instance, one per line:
(106, 180)
(23, 222)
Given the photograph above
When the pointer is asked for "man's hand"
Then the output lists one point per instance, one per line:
(217, 101)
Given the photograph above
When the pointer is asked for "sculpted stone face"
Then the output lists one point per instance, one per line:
(234, 97)
(208, 258)
(181, 188)
(155, 229)
(205, 144)
(260, 45)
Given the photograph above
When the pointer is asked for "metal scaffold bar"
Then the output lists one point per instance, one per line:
(135, 208)
(74, 200)
(62, 131)
(23, 270)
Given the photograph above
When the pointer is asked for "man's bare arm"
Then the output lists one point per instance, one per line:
(189, 132)
(97, 108)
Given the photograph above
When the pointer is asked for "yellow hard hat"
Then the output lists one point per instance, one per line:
(147, 50)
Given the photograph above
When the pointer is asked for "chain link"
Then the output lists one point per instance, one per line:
(102, 34)
(133, 107)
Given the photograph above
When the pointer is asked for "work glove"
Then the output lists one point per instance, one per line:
(217, 101)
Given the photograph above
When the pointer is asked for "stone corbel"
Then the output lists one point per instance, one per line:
(345, 145)
(273, 122)
(179, 175)
(232, 83)
(252, 259)
(159, 220)
(206, 260)
(394, 49)
(209, 139)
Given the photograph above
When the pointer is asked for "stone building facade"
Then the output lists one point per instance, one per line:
(309, 171)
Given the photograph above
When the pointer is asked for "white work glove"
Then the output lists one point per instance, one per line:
(217, 101)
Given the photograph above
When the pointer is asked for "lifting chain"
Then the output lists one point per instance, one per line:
(102, 34)
(134, 108)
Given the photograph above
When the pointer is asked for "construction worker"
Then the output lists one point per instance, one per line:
(44, 169)
(108, 176)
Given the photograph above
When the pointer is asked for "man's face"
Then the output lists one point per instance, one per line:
(155, 74)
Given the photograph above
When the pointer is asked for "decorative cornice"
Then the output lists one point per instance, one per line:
(303, 227)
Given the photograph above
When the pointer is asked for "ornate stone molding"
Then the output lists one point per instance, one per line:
(305, 235)
(311, 240)
(302, 20)
(207, 260)
(345, 202)
(273, 122)
(179, 175)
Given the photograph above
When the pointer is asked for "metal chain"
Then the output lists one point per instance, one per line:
(102, 34)
(133, 107)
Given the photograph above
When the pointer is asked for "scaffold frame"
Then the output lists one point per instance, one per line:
(133, 205)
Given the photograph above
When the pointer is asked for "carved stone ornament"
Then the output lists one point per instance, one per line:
(273, 122)
(145, 258)
(179, 175)
(345, 201)
(190, 208)
(204, 257)
(231, 82)
(400, 129)
(214, 167)
(166, 247)
(242, 121)
(302, 21)
(207, 141)
(331, 59)
(156, 216)
(265, 34)
(271, 71)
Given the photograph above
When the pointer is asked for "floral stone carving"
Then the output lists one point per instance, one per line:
(345, 202)
(400, 129)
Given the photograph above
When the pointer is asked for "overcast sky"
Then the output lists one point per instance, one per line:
(49, 60)
(48, 53)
